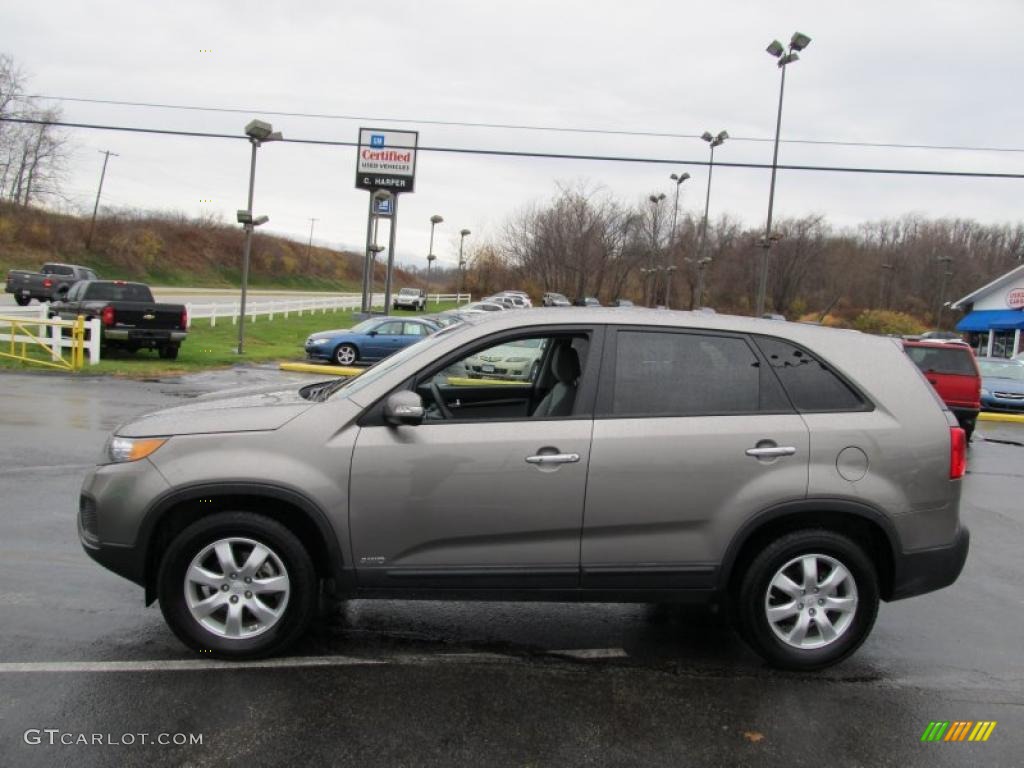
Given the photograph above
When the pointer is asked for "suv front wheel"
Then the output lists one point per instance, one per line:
(237, 585)
(808, 600)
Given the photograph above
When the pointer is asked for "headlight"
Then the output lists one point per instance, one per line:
(318, 341)
(121, 449)
(985, 391)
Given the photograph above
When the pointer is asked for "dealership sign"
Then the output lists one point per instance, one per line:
(386, 160)
(1015, 298)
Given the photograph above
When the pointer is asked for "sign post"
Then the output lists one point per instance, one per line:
(386, 167)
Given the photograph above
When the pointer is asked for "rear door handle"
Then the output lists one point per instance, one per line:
(553, 458)
(769, 452)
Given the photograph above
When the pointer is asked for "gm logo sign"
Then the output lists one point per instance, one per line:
(376, 140)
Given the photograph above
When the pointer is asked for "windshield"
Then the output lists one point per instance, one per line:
(364, 326)
(409, 292)
(1007, 370)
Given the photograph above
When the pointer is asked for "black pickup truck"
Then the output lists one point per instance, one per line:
(49, 283)
(131, 318)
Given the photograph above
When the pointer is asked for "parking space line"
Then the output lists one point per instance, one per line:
(44, 468)
(295, 662)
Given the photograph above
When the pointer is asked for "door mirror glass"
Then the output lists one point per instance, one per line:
(404, 408)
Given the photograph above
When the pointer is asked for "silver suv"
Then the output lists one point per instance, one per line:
(792, 473)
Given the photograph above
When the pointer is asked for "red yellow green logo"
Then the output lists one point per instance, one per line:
(958, 730)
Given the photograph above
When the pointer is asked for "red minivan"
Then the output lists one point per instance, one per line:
(953, 371)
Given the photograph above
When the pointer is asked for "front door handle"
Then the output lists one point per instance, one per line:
(768, 452)
(553, 458)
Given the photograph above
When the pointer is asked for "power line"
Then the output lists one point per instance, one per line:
(523, 127)
(545, 155)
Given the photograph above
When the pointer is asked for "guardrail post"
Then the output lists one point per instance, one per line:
(213, 316)
(188, 316)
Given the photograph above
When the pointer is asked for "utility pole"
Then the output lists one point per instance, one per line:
(92, 224)
(309, 247)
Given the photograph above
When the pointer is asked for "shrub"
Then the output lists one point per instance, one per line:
(884, 321)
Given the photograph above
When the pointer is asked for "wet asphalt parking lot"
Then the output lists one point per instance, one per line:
(401, 683)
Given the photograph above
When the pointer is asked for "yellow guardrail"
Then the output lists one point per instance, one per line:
(20, 341)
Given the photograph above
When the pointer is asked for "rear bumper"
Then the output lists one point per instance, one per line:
(123, 334)
(930, 569)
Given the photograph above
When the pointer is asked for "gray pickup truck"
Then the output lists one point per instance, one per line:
(131, 318)
(49, 283)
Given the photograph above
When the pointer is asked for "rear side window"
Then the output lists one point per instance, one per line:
(56, 269)
(689, 374)
(810, 383)
(955, 360)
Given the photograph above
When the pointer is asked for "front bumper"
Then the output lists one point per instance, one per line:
(927, 570)
(993, 403)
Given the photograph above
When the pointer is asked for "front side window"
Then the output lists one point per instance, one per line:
(684, 374)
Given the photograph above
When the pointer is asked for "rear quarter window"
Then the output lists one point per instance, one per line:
(809, 381)
(955, 360)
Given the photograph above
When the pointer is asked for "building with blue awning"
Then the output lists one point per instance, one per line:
(995, 315)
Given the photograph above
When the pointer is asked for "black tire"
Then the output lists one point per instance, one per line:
(341, 353)
(967, 425)
(751, 611)
(169, 352)
(302, 599)
(22, 301)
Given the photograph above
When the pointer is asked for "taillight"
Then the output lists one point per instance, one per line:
(47, 283)
(108, 316)
(184, 319)
(957, 453)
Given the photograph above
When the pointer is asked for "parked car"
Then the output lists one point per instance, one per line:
(446, 318)
(952, 370)
(508, 302)
(527, 301)
(517, 360)
(482, 306)
(1002, 384)
(410, 298)
(555, 300)
(51, 282)
(794, 474)
(587, 301)
(621, 303)
(369, 341)
(131, 318)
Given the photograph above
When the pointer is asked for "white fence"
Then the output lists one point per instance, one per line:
(271, 308)
(53, 335)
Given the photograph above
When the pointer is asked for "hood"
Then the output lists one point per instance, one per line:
(251, 411)
(997, 383)
(328, 334)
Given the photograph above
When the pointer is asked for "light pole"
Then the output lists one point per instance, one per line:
(713, 141)
(656, 201)
(92, 224)
(882, 303)
(462, 261)
(258, 133)
(434, 221)
(674, 239)
(946, 274)
(309, 246)
(700, 263)
(796, 43)
(669, 269)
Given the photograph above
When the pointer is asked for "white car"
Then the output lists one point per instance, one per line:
(516, 361)
(410, 298)
(478, 307)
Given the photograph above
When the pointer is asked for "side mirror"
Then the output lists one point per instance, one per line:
(371, 333)
(404, 408)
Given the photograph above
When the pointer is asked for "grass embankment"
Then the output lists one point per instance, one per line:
(206, 347)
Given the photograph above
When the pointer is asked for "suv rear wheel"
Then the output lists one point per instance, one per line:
(808, 600)
(238, 585)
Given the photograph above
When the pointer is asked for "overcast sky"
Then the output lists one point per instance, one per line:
(913, 71)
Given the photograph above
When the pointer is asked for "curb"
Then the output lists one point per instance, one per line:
(1014, 418)
(327, 370)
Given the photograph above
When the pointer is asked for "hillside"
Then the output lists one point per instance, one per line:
(174, 250)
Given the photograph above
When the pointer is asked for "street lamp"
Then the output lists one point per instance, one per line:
(462, 261)
(713, 141)
(656, 201)
(946, 274)
(678, 179)
(434, 221)
(258, 133)
(797, 42)
(701, 263)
